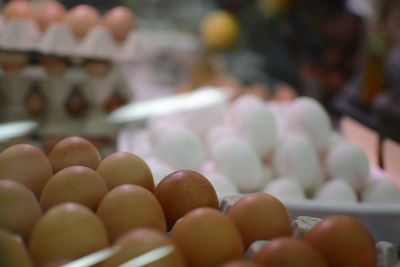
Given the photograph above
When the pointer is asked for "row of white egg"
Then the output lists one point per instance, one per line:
(288, 150)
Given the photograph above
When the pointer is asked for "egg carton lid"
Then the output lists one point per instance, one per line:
(19, 35)
(58, 40)
(98, 44)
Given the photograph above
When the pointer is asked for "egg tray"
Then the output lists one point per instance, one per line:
(54, 120)
(381, 221)
(23, 35)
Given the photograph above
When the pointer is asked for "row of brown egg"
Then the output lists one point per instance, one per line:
(71, 202)
(51, 30)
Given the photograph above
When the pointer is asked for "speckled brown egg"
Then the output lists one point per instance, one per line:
(183, 191)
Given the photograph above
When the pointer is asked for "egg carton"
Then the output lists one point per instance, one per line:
(381, 220)
(23, 35)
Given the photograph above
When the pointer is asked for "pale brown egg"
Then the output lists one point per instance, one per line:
(125, 168)
(97, 67)
(27, 165)
(18, 9)
(73, 151)
(287, 252)
(119, 21)
(207, 237)
(140, 241)
(66, 232)
(74, 184)
(19, 208)
(12, 61)
(183, 191)
(260, 216)
(128, 207)
(343, 241)
(12, 251)
(51, 11)
(54, 65)
(81, 19)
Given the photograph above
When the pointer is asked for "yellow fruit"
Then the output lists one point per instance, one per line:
(19, 209)
(65, 233)
(12, 251)
(219, 30)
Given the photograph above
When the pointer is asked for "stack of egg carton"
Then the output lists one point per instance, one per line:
(135, 72)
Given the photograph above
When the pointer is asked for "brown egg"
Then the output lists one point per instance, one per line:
(50, 12)
(125, 168)
(66, 232)
(73, 151)
(207, 237)
(12, 251)
(128, 207)
(240, 263)
(18, 9)
(119, 21)
(13, 62)
(81, 19)
(97, 67)
(140, 241)
(27, 165)
(183, 191)
(54, 65)
(343, 241)
(286, 252)
(74, 184)
(19, 208)
(260, 216)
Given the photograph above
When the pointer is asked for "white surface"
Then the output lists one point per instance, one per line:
(336, 190)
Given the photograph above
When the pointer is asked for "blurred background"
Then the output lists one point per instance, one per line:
(343, 53)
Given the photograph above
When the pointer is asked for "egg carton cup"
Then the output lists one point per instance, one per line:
(386, 252)
(382, 220)
(19, 35)
(98, 44)
(58, 40)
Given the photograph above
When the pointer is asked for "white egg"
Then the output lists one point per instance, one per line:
(220, 132)
(157, 125)
(242, 105)
(141, 144)
(296, 157)
(259, 127)
(221, 183)
(381, 191)
(285, 188)
(159, 169)
(180, 148)
(237, 159)
(337, 190)
(347, 161)
(204, 119)
(310, 117)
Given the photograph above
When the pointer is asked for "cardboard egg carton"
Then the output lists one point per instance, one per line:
(23, 35)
